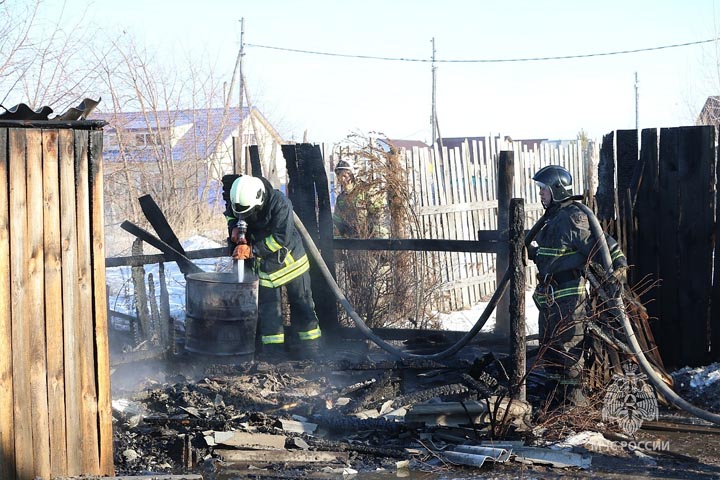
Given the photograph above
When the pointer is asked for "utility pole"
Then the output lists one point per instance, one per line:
(637, 110)
(239, 147)
(237, 71)
(637, 103)
(433, 117)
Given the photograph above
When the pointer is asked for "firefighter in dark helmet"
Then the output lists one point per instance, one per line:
(561, 251)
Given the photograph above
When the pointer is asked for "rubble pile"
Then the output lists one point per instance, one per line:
(365, 416)
(700, 386)
(368, 414)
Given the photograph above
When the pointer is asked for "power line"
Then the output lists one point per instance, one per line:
(483, 60)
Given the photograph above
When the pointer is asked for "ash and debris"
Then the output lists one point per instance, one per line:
(700, 386)
(168, 413)
(165, 412)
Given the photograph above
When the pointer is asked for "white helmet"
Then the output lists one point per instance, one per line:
(345, 164)
(246, 195)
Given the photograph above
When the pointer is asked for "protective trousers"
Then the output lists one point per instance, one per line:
(562, 332)
(302, 311)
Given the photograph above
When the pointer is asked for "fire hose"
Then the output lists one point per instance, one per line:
(360, 324)
(616, 303)
(618, 306)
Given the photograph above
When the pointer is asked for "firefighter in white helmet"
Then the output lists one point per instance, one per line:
(280, 260)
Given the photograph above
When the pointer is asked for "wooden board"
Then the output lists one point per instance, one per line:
(7, 423)
(71, 311)
(100, 334)
(20, 312)
(645, 266)
(670, 325)
(157, 219)
(36, 304)
(90, 446)
(53, 302)
(696, 151)
(282, 456)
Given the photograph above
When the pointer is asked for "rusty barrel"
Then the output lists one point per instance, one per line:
(221, 315)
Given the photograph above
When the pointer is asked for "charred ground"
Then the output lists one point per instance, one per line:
(166, 413)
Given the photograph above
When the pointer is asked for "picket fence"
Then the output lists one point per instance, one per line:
(454, 195)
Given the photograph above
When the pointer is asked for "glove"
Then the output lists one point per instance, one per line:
(620, 275)
(616, 282)
(235, 236)
(242, 252)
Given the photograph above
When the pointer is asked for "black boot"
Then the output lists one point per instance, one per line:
(273, 353)
(308, 349)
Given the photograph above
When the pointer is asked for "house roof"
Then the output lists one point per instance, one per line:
(407, 144)
(710, 113)
(206, 129)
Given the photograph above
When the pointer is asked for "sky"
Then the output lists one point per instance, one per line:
(335, 92)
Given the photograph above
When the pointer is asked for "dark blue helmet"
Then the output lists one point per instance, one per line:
(558, 179)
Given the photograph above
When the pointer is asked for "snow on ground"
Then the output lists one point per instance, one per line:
(462, 321)
(701, 377)
(120, 290)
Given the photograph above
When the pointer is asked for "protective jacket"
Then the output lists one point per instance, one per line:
(361, 213)
(565, 244)
(277, 246)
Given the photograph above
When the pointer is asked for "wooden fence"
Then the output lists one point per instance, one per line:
(454, 192)
(55, 415)
(667, 197)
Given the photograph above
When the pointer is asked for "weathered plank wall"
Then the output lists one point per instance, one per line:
(55, 415)
(672, 198)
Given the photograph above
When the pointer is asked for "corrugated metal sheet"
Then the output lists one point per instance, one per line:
(22, 111)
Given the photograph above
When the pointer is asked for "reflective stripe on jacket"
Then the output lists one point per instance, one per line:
(566, 242)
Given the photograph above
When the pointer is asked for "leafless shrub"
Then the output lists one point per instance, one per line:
(387, 288)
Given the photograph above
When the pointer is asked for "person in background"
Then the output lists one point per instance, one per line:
(279, 260)
(561, 251)
(360, 210)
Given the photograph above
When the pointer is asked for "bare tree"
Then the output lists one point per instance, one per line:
(153, 106)
(58, 61)
(387, 289)
(44, 63)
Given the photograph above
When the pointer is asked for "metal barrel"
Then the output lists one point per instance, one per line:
(221, 315)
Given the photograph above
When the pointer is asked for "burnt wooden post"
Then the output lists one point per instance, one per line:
(308, 190)
(504, 192)
(627, 159)
(142, 329)
(255, 166)
(605, 195)
(517, 297)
